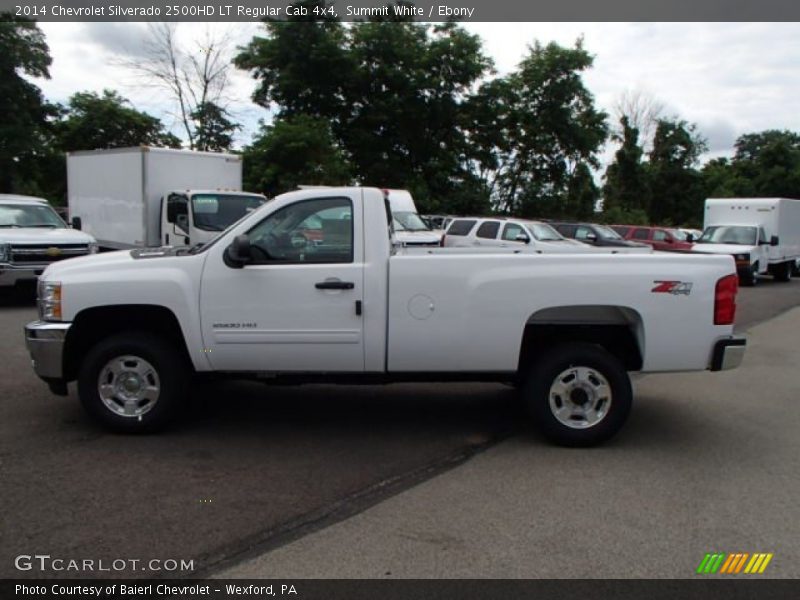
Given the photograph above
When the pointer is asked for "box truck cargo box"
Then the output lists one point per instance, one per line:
(135, 197)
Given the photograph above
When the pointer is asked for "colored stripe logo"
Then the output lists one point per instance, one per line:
(734, 564)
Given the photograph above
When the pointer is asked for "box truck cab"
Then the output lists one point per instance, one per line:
(145, 197)
(409, 228)
(191, 217)
(762, 235)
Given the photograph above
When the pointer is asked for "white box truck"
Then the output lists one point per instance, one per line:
(144, 197)
(409, 228)
(762, 235)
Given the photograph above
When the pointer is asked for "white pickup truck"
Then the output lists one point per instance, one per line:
(266, 299)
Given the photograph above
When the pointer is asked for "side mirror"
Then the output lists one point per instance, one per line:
(238, 254)
(76, 223)
(523, 238)
(774, 241)
(689, 238)
(175, 210)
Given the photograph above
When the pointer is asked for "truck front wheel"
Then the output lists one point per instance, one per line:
(783, 271)
(133, 382)
(578, 394)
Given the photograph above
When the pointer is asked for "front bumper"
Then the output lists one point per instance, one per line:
(11, 274)
(45, 342)
(728, 353)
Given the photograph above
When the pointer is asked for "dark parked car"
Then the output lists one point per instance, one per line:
(597, 235)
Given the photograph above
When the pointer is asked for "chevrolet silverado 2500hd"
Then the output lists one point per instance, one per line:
(266, 299)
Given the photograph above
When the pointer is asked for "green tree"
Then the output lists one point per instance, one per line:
(24, 128)
(626, 187)
(770, 161)
(676, 184)
(582, 195)
(213, 131)
(764, 164)
(293, 151)
(552, 126)
(93, 121)
(393, 94)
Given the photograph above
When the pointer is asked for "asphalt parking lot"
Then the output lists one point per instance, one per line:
(253, 467)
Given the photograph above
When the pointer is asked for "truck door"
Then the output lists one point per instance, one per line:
(175, 219)
(762, 244)
(487, 234)
(296, 306)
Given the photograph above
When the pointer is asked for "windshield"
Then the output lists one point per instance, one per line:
(410, 221)
(216, 212)
(729, 234)
(544, 233)
(29, 215)
(607, 232)
(679, 235)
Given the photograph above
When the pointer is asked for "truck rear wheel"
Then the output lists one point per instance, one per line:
(579, 394)
(133, 382)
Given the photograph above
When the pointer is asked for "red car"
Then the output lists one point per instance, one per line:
(660, 238)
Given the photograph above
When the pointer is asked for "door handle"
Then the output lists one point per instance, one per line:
(334, 285)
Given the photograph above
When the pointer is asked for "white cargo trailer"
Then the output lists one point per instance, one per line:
(762, 235)
(143, 196)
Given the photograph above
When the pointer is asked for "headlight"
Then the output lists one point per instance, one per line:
(742, 257)
(93, 248)
(49, 300)
(5, 253)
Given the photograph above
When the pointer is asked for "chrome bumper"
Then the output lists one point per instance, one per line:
(45, 342)
(11, 274)
(728, 354)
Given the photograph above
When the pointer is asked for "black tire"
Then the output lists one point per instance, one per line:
(783, 271)
(546, 372)
(171, 373)
(749, 279)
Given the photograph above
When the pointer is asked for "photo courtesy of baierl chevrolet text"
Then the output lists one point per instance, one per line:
(431, 299)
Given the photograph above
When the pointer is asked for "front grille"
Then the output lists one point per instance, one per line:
(46, 253)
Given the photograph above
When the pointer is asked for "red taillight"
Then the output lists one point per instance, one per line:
(725, 300)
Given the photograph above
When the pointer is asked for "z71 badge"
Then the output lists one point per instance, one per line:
(673, 287)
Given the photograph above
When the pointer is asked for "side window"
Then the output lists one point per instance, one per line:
(488, 230)
(511, 231)
(659, 235)
(309, 231)
(582, 233)
(640, 234)
(461, 227)
(566, 230)
(762, 235)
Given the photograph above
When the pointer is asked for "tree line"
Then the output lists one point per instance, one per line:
(393, 103)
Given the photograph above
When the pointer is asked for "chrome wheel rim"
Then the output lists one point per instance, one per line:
(128, 386)
(580, 397)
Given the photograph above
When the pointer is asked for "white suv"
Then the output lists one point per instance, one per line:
(532, 236)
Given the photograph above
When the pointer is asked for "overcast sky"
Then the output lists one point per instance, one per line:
(729, 78)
